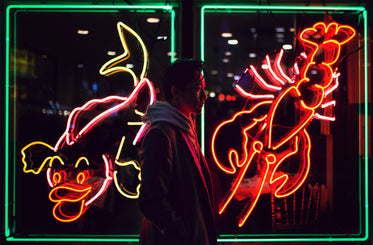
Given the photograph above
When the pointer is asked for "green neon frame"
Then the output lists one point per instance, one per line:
(363, 160)
(10, 158)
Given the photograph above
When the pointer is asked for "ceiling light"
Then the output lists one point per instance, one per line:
(252, 55)
(170, 53)
(287, 46)
(226, 34)
(232, 41)
(162, 38)
(212, 94)
(111, 53)
(129, 66)
(280, 35)
(214, 72)
(230, 74)
(228, 53)
(280, 29)
(225, 60)
(264, 66)
(152, 20)
(83, 32)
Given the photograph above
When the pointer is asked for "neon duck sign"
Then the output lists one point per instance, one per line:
(79, 168)
(266, 141)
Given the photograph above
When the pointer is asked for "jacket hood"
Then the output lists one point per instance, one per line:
(165, 112)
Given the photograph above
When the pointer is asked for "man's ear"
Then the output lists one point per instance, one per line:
(176, 95)
(175, 91)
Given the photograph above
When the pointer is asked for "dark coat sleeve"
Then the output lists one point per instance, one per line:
(156, 175)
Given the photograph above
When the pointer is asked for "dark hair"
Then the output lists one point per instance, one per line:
(179, 74)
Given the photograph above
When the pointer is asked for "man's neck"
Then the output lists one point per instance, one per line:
(184, 112)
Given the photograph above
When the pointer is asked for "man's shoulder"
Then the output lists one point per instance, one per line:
(164, 128)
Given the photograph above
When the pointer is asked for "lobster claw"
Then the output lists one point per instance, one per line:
(284, 184)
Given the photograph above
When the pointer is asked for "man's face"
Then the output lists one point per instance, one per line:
(193, 97)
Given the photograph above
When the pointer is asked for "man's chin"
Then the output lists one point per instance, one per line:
(199, 110)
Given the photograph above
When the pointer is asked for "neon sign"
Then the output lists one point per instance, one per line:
(111, 67)
(267, 138)
(77, 184)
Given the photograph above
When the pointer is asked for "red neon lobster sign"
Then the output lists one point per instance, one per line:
(266, 137)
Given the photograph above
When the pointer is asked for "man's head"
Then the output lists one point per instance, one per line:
(183, 86)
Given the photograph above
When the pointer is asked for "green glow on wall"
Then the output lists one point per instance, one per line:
(366, 130)
(363, 235)
(6, 134)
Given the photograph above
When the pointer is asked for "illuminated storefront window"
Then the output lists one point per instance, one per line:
(79, 79)
(291, 150)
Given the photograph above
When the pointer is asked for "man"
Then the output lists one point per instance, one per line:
(176, 190)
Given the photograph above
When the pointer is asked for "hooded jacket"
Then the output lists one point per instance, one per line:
(176, 190)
